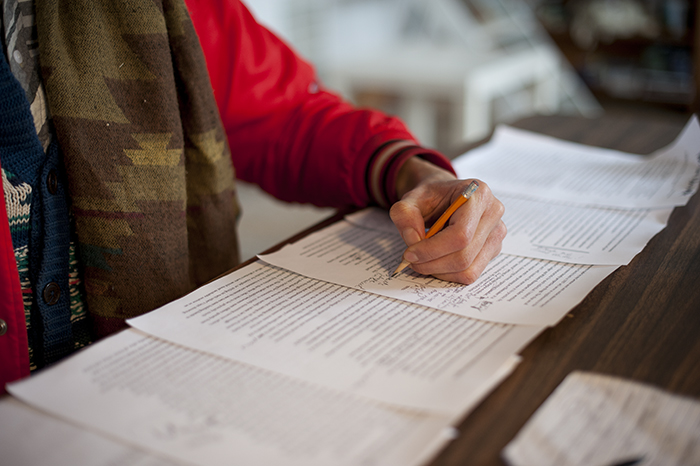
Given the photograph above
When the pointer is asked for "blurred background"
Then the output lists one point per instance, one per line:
(453, 69)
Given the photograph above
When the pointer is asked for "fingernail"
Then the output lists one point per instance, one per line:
(410, 257)
(410, 236)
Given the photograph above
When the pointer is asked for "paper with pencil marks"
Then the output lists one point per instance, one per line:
(362, 251)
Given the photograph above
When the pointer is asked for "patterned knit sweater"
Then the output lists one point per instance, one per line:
(33, 182)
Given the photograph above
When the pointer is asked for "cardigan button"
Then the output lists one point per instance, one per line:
(52, 182)
(3, 327)
(51, 293)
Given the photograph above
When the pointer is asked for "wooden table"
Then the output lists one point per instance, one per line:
(642, 322)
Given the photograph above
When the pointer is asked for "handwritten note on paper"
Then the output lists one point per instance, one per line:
(512, 289)
(576, 233)
(207, 410)
(518, 162)
(593, 419)
(381, 348)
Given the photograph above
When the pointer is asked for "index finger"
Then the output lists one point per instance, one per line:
(463, 197)
(462, 239)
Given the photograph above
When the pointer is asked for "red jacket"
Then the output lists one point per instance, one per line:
(287, 134)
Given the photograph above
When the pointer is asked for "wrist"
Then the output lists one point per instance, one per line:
(389, 176)
(416, 171)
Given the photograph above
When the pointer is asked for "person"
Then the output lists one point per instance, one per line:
(124, 126)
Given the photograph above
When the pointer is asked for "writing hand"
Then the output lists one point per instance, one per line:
(473, 236)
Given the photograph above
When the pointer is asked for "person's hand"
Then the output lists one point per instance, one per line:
(471, 238)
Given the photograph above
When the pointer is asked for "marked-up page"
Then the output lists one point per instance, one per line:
(577, 233)
(521, 163)
(206, 410)
(512, 289)
(381, 348)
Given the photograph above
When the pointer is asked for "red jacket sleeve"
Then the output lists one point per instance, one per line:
(14, 349)
(296, 140)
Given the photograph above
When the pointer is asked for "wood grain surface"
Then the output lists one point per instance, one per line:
(642, 322)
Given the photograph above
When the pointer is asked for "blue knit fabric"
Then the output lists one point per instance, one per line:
(22, 155)
(20, 150)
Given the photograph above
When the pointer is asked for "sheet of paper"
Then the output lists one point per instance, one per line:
(350, 340)
(599, 420)
(576, 233)
(29, 437)
(512, 289)
(558, 231)
(209, 410)
(523, 163)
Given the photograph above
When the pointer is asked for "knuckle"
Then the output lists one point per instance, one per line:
(501, 231)
(482, 184)
(462, 239)
(499, 208)
(469, 276)
(463, 260)
(484, 187)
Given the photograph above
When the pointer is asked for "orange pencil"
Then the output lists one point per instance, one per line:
(437, 226)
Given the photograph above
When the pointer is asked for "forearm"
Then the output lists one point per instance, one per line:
(296, 140)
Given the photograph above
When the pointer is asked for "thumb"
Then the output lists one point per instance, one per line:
(408, 219)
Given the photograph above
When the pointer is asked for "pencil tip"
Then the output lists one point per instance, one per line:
(402, 265)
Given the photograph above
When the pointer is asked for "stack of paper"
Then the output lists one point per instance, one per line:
(317, 356)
